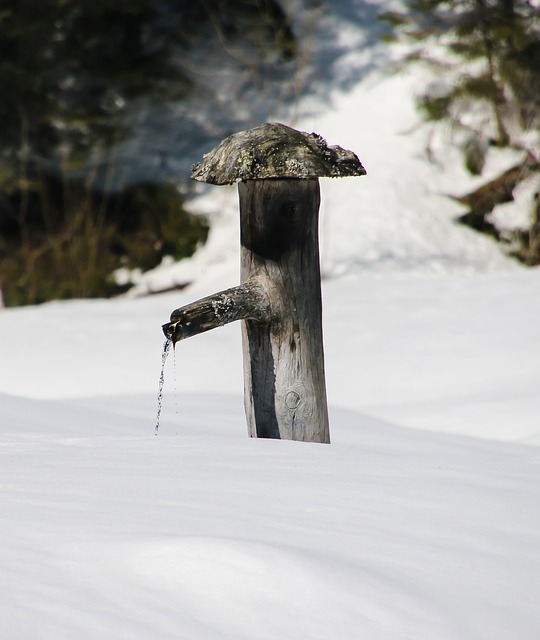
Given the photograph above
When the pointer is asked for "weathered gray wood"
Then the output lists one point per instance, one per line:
(285, 392)
(274, 150)
(248, 300)
(279, 301)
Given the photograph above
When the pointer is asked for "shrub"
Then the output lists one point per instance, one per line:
(61, 240)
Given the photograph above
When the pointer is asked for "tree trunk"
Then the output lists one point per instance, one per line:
(284, 383)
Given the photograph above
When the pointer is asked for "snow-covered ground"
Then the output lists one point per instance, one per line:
(420, 521)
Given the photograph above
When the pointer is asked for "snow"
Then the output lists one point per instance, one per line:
(419, 521)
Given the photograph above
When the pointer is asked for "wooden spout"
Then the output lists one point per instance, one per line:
(248, 300)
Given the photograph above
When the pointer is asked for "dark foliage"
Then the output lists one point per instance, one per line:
(71, 70)
(492, 98)
(73, 74)
(72, 239)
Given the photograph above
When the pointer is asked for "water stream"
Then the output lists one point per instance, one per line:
(166, 349)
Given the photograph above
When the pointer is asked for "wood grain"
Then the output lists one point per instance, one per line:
(285, 391)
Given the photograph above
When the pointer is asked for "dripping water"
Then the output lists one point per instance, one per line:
(175, 386)
(166, 349)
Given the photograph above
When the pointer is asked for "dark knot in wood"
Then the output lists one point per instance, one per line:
(274, 150)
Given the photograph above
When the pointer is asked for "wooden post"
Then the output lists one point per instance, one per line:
(285, 391)
(279, 300)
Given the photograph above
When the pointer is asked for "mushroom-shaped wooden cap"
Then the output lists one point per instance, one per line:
(274, 150)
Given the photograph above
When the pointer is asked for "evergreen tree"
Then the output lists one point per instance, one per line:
(71, 70)
(488, 85)
(73, 77)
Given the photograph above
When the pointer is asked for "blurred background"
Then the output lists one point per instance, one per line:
(105, 106)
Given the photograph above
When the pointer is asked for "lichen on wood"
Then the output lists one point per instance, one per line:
(248, 300)
(274, 150)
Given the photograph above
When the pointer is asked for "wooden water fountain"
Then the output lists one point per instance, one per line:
(279, 299)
